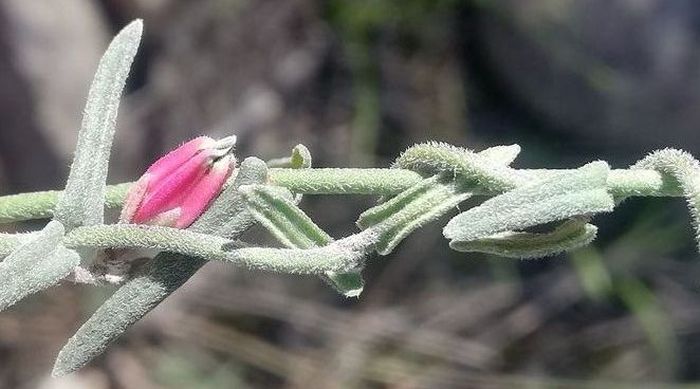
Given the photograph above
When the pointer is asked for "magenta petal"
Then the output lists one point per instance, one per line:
(178, 187)
(164, 193)
(204, 191)
(176, 158)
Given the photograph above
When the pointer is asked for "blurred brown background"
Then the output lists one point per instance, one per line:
(357, 82)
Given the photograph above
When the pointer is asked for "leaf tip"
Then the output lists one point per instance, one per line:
(135, 27)
(62, 366)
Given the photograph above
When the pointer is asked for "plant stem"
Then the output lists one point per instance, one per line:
(120, 236)
(193, 244)
(40, 205)
(379, 182)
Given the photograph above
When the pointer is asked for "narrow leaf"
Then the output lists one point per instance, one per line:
(9, 243)
(275, 210)
(581, 192)
(569, 235)
(128, 236)
(82, 202)
(470, 167)
(419, 205)
(348, 283)
(503, 155)
(36, 265)
(41, 205)
(427, 200)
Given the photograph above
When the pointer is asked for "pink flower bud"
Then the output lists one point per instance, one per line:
(178, 187)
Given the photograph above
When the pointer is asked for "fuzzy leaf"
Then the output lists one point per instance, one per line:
(569, 235)
(471, 168)
(165, 274)
(426, 201)
(419, 205)
(274, 208)
(300, 159)
(9, 243)
(82, 202)
(581, 192)
(38, 264)
(503, 155)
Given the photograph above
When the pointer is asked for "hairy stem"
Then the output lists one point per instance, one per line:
(205, 246)
(40, 205)
(380, 182)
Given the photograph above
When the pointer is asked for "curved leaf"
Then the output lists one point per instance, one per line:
(82, 202)
(569, 235)
(581, 192)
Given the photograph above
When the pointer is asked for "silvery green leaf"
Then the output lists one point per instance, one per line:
(503, 155)
(427, 200)
(127, 305)
(37, 264)
(581, 192)
(275, 209)
(9, 243)
(163, 275)
(349, 284)
(82, 202)
(567, 236)
(469, 167)
(344, 181)
(419, 205)
(300, 159)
